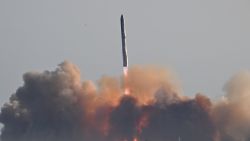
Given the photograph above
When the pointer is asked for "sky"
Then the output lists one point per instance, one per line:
(203, 42)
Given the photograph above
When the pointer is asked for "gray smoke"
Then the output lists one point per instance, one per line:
(59, 106)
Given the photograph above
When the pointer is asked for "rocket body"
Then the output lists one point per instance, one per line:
(124, 57)
(124, 49)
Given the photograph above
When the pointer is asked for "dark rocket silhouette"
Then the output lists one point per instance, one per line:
(124, 49)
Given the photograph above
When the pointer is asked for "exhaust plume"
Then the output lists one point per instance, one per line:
(58, 106)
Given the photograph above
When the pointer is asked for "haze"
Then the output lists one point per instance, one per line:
(204, 42)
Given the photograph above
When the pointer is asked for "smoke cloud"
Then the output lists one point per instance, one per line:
(58, 106)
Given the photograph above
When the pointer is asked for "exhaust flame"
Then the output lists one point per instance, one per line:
(126, 88)
(126, 91)
(59, 106)
(135, 139)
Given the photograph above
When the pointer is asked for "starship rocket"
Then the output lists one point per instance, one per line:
(124, 49)
(124, 57)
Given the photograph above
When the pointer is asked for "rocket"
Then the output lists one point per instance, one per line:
(124, 49)
(124, 57)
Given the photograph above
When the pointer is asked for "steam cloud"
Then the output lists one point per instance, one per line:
(58, 106)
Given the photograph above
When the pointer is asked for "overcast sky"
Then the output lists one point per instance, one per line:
(204, 41)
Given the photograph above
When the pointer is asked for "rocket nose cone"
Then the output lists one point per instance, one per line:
(122, 17)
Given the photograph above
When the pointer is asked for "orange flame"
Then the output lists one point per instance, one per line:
(126, 88)
(127, 91)
(135, 139)
(143, 122)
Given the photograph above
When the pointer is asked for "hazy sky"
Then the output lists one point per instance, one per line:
(204, 42)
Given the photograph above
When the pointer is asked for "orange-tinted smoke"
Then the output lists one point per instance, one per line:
(58, 106)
